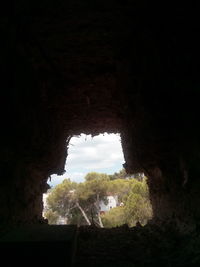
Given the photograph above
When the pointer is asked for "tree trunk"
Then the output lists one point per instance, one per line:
(98, 212)
(100, 221)
(83, 213)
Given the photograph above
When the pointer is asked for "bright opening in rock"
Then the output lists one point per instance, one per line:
(96, 190)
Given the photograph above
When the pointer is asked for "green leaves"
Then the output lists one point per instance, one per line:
(79, 203)
(61, 198)
(68, 199)
(52, 216)
(137, 207)
(118, 175)
(115, 217)
(96, 176)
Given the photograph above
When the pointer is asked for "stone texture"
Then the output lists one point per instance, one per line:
(90, 67)
(34, 243)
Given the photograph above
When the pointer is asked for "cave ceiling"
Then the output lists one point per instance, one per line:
(96, 66)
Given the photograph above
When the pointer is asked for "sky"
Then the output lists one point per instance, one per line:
(102, 153)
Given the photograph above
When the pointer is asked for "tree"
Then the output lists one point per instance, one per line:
(70, 199)
(122, 174)
(96, 176)
(52, 216)
(80, 203)
(115, 217)
(137, 209)
(61, 198)
(136, 204)
(119, 175)
(121, 188)
(91, 192)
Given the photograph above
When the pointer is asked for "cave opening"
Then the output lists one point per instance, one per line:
(93, 66)
(95, 189)
(86, 153)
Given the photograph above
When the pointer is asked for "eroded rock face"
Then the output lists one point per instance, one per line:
(162, 145)
(96, 67)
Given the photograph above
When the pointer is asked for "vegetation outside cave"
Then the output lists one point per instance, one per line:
(86, 203)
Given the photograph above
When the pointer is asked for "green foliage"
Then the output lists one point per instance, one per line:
(61, 198)
(140, 188)
(122, 174)
(76, 217)
(115, 217)
(90, 189)
(119, 175)
(68, 198)
(96, 176)
(137, 207)
(79, 203)
(121, 187)
(52, 216)
(90, 193)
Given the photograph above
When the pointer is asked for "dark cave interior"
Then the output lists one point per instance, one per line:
(74, 67)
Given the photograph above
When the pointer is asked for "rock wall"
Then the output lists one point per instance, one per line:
(93, 67)
(163, 144)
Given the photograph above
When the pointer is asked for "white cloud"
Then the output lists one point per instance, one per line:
(102, 153)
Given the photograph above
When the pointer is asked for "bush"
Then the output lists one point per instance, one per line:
(115, 217)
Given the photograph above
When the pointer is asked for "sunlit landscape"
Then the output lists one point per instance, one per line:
(96, 190)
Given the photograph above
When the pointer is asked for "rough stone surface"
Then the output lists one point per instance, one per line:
(143, 246)
(34, 243)
(94, 66)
